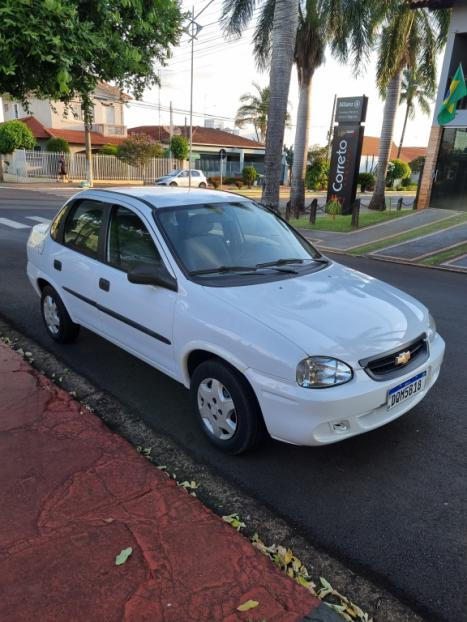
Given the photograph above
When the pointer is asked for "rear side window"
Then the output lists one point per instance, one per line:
(129, 241)
(83, 227)
(57, 222)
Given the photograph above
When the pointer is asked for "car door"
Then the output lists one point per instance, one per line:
(137, 317)
(183, 179)
(74, 260)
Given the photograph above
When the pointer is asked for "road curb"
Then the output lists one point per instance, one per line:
(216, 493)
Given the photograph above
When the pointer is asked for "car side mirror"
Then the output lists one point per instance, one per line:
(145, 274)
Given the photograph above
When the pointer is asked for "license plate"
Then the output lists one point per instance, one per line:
(406, 390)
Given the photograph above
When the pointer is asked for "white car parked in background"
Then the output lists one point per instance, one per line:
(181, 178)
(224, 296)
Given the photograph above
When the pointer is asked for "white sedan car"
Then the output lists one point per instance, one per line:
(180, 177)
(224, 296)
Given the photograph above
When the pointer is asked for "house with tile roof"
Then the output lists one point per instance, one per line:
(370, 150)
(444, 179)
(48, 118)
(207, 142)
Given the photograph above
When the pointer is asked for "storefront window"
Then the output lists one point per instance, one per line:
(450, 180)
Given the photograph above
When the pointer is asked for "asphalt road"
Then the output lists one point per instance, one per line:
(391, 504)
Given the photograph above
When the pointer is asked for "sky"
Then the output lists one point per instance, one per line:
(224, 70)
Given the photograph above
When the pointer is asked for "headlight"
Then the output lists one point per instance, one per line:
(431, 332)
(319, 372)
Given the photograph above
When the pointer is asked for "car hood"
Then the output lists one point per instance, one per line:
(335, 311)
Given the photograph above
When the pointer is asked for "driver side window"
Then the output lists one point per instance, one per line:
(129, 242)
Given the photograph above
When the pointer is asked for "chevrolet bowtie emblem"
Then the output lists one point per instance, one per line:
(403, 358)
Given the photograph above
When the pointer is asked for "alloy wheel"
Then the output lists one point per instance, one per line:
(217, 409)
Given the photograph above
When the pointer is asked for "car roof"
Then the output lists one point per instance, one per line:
(161, 196)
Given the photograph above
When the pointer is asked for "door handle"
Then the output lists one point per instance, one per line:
(104, 284)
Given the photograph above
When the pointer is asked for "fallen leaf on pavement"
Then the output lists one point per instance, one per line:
(123, 556)
(249, 604)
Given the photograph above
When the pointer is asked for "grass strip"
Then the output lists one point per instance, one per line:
(342, 224)
(443, 256)
(410, 235)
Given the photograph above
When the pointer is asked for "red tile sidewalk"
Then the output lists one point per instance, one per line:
(73, 495)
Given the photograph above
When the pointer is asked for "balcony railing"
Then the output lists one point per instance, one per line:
(109, 129)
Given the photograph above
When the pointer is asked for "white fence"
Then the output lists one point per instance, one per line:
(43, 164)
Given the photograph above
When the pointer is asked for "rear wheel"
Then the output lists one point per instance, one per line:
(202, 185)
(226, 407)
(57, 322)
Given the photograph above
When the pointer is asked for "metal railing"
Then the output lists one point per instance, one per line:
(43, 164)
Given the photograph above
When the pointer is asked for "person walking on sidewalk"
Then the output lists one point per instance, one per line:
(62, 169)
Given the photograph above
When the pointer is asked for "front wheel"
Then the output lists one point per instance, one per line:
(173, 183)
(226, 407)
(57, 322)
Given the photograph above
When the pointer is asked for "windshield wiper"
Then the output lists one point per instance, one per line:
(245, 269)
(283, 262)
(224, 269)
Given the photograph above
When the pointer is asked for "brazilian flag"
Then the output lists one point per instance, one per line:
(457, 91)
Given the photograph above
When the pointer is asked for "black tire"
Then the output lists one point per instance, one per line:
(173, 183)
(66, 329)
(202, 185)
(248, 418)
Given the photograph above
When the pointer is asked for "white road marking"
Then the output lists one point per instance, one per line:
(38, 219)
(13, 224)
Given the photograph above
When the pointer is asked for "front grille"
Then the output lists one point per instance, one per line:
(385, 366)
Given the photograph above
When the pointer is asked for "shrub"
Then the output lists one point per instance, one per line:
(249, 175)
(179, 147)
(214, 182)
(367, 181)
(138, 149)
(333, 208)
(109, 150)
(57, 145)
(15, 135)
(239, 184)
(398, 170)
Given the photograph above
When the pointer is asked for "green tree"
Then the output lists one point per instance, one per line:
(317, 174)
(410, 38)
(60, 49)
(254, 111)
(180, 147)
(57, 145)
(249, 175)
(280, 42)
(414, 90)
(138, 149)
(417, 164)
(15, 135)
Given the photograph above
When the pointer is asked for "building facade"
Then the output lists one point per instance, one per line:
(48, 118)
(444, 179)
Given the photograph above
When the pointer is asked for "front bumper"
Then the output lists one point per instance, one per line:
(312, 416)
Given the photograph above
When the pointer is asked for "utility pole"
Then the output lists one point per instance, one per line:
(194, 32)
(171, 130)
(331, 128)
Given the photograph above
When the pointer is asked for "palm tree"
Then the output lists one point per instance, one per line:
(410, 39)
(254, 111)
(347, 27)
(414, 90)
(284, 13)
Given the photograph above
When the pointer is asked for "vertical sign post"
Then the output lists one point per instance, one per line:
(346, 150)
(222, 156)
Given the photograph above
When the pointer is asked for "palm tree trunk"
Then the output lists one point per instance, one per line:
(407, 110)
(300, 149)
(283, 44)
(387, 131)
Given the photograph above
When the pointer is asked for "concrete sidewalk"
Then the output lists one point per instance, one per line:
(74, 495)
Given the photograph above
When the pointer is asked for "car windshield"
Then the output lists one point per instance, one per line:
(173, 173)
(237, 236)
